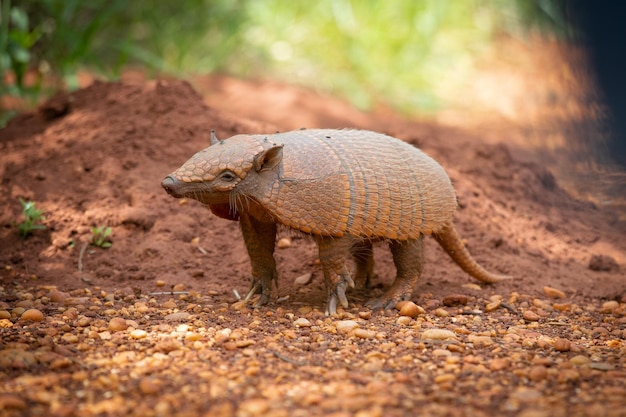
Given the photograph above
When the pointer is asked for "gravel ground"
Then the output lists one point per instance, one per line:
(93, 353)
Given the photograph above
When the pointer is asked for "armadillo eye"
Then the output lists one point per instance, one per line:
(228, 176)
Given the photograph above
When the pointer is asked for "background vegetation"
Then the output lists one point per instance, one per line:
(362, 50)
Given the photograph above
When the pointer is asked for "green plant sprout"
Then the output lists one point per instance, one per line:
(101, 237)
(32, 217)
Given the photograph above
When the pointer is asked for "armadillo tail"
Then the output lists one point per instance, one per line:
(449, 239)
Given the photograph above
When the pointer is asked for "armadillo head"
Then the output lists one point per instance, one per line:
(227, 172)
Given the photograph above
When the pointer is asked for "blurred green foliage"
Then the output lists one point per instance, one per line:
(364, 50)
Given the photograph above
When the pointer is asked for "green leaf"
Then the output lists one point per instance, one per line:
(19, 18)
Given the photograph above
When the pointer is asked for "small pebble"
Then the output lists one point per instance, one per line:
(180, 316)
(492, 306)
(553, 292)
(365, 315)
(442, 312)
(346, 326)
(438, 334)
(58, 296)
(562, 345)
(364, 334)
(32, 315)
(498, 364)
(609, 306)
(303, 279)
(11, 401)
(530, 315)
(117, 324)
(579, 360)
(254, 407)
(149, 386)
(302, 322)
(538, 373)
(283, 243)
(138, 334)
(455, 300)
(410, 309)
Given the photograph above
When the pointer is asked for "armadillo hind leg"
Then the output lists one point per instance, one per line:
(408, 257)
(363, 255)
(333, 253)
(449, 239)
(260, 240)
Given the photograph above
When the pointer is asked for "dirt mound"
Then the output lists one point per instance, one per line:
(149, 326)
(96, 157)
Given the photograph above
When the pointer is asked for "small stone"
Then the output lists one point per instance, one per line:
(478, 340)
(364, 334)
(438, 334)
(562, 306)
(159, 283)
(169, 304)
(553, 292)
(562, 345)
(117, 324)
(579, 360)
(492, 306)
(498, 364)
(11, 401)
(302, 322)
(4, 315)
(609, 306)
(149, 386)
(441, 352)
(455, 300)
(303, 279)
(138, 334)
(404, 320)
(283, 243)
(180, 316)
(410, 309)
(538, 373)
(601, 366)
(254, 407)
(32, 315)
(239, 305)
(58, 296)
(443, 378)
(530, 315)
(346, 326)
(365, 315)
(179, 288)
(442, 312)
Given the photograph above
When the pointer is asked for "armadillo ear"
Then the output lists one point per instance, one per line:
(214, 139)
(269, 158)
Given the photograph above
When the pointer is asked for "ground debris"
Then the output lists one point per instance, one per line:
(134, 358)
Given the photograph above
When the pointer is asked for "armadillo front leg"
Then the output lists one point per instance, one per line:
(260, 239)
(333, 253)
(408, 256)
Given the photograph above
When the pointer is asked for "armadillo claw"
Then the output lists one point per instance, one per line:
(339, 295)
(331, 306)
(253, 290)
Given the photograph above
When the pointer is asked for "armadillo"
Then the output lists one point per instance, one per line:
(345, 188)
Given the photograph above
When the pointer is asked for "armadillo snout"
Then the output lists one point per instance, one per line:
(172, 186)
